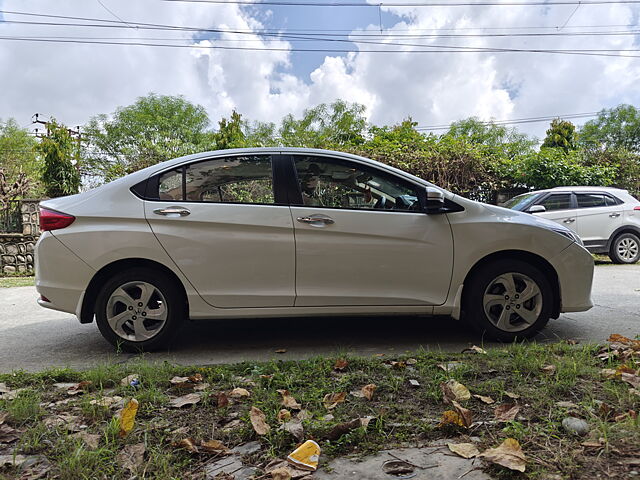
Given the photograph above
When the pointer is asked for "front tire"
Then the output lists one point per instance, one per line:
(625, 248)
(508, 299)
(139, 309)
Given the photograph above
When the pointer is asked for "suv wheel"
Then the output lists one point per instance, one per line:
(508, 299)
(139, 309)
(625, 248)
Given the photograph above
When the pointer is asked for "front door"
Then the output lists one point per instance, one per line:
(559, 208)
(599, 215)
(220, 223)
(362, 239)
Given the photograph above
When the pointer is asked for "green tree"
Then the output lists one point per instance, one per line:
(497, 139)
(60, 175)
(153, 129)
(18, 154)
(561, 134)
(230, 132)
(617, 128)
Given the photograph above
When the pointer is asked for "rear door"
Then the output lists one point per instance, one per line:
(225, 227)
(363, 239)
(599, 215)
(560, 208)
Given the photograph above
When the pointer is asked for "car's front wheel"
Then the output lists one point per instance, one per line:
(139, 309)
(508, 299)
(625, 248)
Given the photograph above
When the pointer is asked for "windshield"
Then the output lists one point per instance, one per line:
(520, 202)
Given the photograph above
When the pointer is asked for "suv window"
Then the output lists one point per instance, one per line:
(243, 179)
(590, 200)
(556, 201)
(335, 183)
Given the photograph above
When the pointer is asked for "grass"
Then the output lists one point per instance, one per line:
(402, 415)
(15, 281)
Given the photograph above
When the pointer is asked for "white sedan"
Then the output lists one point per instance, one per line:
(275, 232)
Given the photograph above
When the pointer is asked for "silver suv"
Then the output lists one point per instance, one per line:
(607, 219)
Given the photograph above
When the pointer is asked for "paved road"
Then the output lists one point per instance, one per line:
(33, 338)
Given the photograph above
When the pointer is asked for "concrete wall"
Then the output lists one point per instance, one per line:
(16, 249)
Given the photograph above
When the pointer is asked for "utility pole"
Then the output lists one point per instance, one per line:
(35, 119)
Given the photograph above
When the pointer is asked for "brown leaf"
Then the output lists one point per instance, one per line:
(341, 364)
(509, 454)
(549, 369)
(196, 378)
(131, 457)
(239, 393)
(615, 338)
(3, 417)
(511, 395)
(258, 420)
(450, 417)
(294, 427)
(284, 415)
(467, 417)
(465, 450)
(331, 400)
(304, 415)
(214, 446)
(631, 379)
(189, 399)
(398, 365)
(91, 440)
(450, 366)
(453, 390)
(368, 391)
(506, 412)
(483, 399)
(571, 341)
(288, 401)
(608, 373)
(8, 434)
(81, 387)
(294, 472)
(342, 428)
(475, 349)
(280, 474)
(411, 361)
(222, 400)
(179, 380)
(126, 381)
(188, 444)
(281, 350)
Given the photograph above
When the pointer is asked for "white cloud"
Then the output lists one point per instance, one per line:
(76, 81)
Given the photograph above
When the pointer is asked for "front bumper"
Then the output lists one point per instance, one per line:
(574, 266)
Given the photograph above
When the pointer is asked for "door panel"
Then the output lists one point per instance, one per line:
(236, 255)
(560, 208)
(597, 221)
(372, 258)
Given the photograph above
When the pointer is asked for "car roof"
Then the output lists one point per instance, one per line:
(587, 189)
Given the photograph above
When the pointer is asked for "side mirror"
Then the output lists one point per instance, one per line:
(434, 200)
(536, 209)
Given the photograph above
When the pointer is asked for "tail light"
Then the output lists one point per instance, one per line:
(636, 208)
(52, 220)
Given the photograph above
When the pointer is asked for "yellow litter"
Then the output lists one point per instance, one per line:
(306, 456)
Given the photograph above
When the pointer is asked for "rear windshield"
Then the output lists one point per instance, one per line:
(520, 202)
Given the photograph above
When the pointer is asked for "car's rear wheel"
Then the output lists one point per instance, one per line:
(625, 248)
(508, 299)
(139, 309)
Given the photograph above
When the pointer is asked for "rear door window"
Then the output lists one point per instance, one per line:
(556, 201)
(591, 200)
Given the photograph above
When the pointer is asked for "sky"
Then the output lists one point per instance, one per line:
(426, 78)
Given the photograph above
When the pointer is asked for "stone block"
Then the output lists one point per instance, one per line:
(12, 249)
(22, 248)
(8, 259)
(30, 246)
(22, 268)
(21, 259)
(26, 229)
(29, 258)
(9, 269)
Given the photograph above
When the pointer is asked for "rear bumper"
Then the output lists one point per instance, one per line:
(61, 276)
(574, 266)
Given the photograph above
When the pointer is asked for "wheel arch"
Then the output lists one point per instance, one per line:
(529, 257)
(87, 311)
(620, 230)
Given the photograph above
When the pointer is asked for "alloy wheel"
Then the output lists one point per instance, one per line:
(136, 311)
(627, 249)
(512, 302)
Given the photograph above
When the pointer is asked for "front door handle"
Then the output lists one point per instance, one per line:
(569, 220)
(614, 215)
(172, 211)
(316, 220)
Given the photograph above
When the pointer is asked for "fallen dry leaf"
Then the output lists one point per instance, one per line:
(342, 428)
(509, 454)
(107, 402)
(454, 390)
(178, 380)
(411, 361)
(279, 465)
(483, 399)
(475, 349)
(126, 381)
(258, 420)
(294, 427)
(631, 379)
(616, 338)
(467, 417)
(506, 412)
(288, 401)
(608, 373)
(188, 444)
(304, 415)
(3, 417)
(281, 350)
(131, 457)
(189, 399)
(451, 417)
(239, 393)
(368, 391)
(128, 417)
(222, 400)
(566, 404)
(8, 434)
(465, 450)
(549, 369)
(280, 474)
(511, 395)
(91, 440)
(340, 365)
(398, 365)
(284, 415)
(450, 366)
(331, 400)
(215, 446)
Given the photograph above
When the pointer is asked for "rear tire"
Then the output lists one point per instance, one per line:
(508, 299)
(625, 248)
(139, 309)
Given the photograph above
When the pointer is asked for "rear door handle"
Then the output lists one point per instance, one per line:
(172, 211)
(569, 220)
(316, 220)
(614, 215)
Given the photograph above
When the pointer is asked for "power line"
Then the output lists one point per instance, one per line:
(548, 118)
(496, 3)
